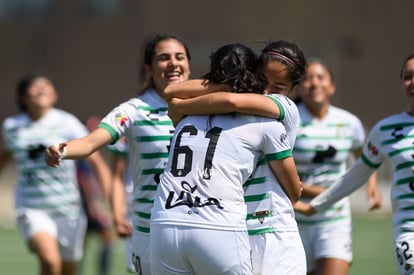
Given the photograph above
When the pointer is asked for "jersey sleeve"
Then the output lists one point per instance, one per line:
(358, 134)
(371, 153)
(289, 115)
(275, 142)
(117, 121)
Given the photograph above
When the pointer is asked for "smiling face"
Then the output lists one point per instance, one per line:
(40, 95)
(170, 64)
(317, 86)
(276, 78)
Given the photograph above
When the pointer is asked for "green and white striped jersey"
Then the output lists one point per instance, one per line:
(322, 151)
(268, 207)
(148, 129)
(54, 190)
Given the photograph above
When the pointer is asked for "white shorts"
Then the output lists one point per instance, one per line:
(68, 231)
(278, 253)
(190, 250)
(141, 252)
(404, 248)
(333, 240)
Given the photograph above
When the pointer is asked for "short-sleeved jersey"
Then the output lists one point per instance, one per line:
(321, 152)
(54, 190)
(145, 123)
(210, 159)
(269, 209)
(392, 138)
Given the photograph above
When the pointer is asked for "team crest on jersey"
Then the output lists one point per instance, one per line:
(283, 137)
(340, 130)
(260, 215)
(121, 119)
(372, 149)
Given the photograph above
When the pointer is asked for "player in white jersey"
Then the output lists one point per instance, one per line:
(48, 205)
(390, 139)
(274, 237)
(208, 152)
(148, 129)
(328, 136)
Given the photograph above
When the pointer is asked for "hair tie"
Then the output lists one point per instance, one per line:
(286, 59)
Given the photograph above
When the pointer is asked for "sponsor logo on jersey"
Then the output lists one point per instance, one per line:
(121, 119)
(372, 149)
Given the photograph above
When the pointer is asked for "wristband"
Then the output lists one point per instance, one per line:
(62, 153)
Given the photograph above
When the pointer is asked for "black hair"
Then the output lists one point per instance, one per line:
(23, 85)
(234, 65)
(289, 54)
(148, 52)
(410, 56)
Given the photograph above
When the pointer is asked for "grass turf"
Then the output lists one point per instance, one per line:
(372, 247)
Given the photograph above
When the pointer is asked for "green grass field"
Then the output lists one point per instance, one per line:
(372, 246)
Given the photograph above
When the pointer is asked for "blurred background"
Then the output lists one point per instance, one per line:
(91, 50)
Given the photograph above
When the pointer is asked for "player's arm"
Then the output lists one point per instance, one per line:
(191, 88)
(285, 171)
(353, 179)
(77, 148)
(372, 192)
(118, 200)
(224, 102)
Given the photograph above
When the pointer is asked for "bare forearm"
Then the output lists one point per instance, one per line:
(83, 147)
(225, 102)
(285, 172)
(191, 88)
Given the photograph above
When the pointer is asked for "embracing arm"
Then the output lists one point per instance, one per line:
(223, 102)
(285, 171)
(191, 88)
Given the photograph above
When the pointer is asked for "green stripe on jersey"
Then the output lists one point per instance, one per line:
(142, 229)
(149, 108)
(153, 138)
(279, 155)
(153, 123)
(280, 106)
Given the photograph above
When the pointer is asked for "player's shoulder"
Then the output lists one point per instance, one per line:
(394, 119)
(14, 121)
(339, 112)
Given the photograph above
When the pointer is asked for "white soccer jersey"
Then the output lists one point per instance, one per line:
(54, 190)
(393, 138)
(321, 151)
(269, 209)
(211, 157)
(148, 129)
